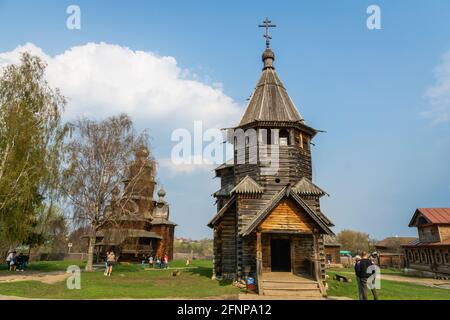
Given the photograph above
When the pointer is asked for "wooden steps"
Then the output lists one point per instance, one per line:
(290, 286)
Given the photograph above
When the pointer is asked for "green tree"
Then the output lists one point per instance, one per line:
(49, 230)
(31, 137)
(354, 241)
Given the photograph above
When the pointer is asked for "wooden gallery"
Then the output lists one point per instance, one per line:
(269, 224)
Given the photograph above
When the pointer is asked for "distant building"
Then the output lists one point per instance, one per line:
(143, 226)
(391, 253)
(431, 252)
(332, 249)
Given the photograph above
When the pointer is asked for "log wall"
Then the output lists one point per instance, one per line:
(225, 245)
(429, 259)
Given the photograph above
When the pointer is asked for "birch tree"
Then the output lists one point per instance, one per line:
(98, 157)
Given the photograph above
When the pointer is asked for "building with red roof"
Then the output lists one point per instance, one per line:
(431, 251)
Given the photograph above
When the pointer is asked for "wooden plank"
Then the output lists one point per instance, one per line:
(288, 217)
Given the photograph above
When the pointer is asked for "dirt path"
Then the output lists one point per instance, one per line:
(429, 282)
(45, 277)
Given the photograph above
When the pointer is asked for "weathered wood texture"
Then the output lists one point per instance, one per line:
(332, 253)
(226, 245)
(288, 217)
(429, 259)
(444, 232)
(165, 245)
(391, 260)
(301, 251)
(429, 233)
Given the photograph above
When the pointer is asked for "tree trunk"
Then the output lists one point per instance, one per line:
(90, 258)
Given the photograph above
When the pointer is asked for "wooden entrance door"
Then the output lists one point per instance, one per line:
(280, 251)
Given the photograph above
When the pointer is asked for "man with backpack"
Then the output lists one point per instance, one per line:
(362, 275)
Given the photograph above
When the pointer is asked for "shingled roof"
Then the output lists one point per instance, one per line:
(307, 188)
(247, 186)
(270, 100)
(225, 191)
(222, 211)
(390, 242)
(330, 241)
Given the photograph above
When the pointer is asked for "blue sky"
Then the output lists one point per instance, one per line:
(381, 157)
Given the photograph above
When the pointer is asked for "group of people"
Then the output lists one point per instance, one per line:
(16, 262)
(365, 273)
(158, 262)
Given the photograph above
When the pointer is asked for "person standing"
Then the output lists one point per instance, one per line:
(110, 261)
(361, 271)
(166, 261)
(106, 263)
(143, 261)
(357, 268)
(158, 262)
(20, 262)
(150, 261)
(10, 260)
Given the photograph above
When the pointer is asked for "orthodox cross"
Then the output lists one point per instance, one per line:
(267, 24)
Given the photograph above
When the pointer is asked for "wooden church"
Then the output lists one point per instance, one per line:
(141, 225)
(269, 224)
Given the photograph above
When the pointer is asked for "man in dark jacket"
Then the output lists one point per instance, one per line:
(362, 276)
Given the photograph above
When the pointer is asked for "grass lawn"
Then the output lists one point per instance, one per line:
(390, 290)
(127, 281)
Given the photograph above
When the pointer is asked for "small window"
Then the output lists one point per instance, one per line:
(277, 180)
(305, 142)
(284, 137)
(269, 137)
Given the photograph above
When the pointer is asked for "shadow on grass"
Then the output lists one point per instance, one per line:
(207, 272)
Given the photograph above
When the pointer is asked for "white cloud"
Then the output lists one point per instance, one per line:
(101, 79)
(184, 168)
(438, 96)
